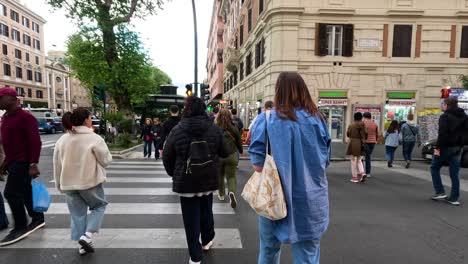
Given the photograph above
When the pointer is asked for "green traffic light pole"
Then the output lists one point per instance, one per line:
(196, 46)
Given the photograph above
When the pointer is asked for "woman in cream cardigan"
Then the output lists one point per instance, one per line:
(80, 159)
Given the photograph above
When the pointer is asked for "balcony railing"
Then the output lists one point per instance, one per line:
(231, 59)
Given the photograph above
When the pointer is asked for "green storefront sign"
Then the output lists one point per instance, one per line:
(333, 94)
(401, 95)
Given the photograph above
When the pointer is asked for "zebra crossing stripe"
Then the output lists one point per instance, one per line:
(48, 145)
(133, 172)
(135, 167)
(138, 209)
(157, 238)
(137, 162)
(136, 180)
(128, 191)
(48, 142)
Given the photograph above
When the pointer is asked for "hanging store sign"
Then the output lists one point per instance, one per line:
(335, 102)
(375, 110)
(333, 94)
(401, 102)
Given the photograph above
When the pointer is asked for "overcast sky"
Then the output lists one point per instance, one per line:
(168, 36)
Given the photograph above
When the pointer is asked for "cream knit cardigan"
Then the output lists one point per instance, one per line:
(80, 159)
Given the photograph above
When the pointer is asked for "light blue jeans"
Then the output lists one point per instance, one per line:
(78, 204)
(304, 252)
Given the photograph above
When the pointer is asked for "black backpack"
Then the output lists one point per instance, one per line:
(200, 160)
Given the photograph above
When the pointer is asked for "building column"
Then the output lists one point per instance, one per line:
(53, 91)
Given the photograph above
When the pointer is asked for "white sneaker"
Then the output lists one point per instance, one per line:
(208, 246)
(81, 251)
(368, 176)
(193, 262)
(221, 197)
(87, 244)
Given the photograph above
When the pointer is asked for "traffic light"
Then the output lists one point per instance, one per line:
(209, 108)
(205, 91)
(99, 93)
(189, 91)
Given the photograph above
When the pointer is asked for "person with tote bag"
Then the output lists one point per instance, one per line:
(300, 146)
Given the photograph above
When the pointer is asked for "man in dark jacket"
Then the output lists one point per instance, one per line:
(157, 129)
(195, 191)
(237, 122)
(169, 124)
(453, 125)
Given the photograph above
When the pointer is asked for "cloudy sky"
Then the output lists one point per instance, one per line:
(168, 36)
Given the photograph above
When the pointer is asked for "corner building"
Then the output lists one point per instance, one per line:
(389, 57)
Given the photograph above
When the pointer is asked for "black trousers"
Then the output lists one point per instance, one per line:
(157, 143)
(198, 219)
(18, 193)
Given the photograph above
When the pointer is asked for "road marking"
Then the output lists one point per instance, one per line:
(138, 209)
(49, 141)
(136, 167)
(133, 172)
(48, 145)
(160, 238)
(136, 180)
(128, 191)
(137, 162)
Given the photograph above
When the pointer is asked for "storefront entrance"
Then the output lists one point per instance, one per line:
(399, 106)
(336, 121)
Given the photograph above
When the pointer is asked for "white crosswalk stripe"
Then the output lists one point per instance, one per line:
(148, 187)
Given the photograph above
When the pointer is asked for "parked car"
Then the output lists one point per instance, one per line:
(50, 125)
(428, 147)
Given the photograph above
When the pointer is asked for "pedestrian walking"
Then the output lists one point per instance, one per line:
(409, 138)
(392, 139)
(3, 218)
(357, 135)
(268, 106)
(80, 159)
(300, 145)
(228, 166)
(453, 127)
(147, 135)
(22, 146)
(170, 123)
(157, 132)
(237, 122)
(372, 136)
(191, 157)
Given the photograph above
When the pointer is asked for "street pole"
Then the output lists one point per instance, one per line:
(196, 46)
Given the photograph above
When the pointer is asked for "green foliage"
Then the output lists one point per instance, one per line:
(124, 140)
(114, 118)
(126, 126)
(160, 78)
(464, 81)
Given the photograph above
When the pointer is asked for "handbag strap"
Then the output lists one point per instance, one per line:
(268, 149)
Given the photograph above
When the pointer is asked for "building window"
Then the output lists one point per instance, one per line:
(334, 40)
(37, 44)
(38, 77)
(3, 10)
(14, 16)
(27, 57)
(5, 49)
(4, 30)
(26, 40)
(18, 54)
(241, 71)
(249, 20)
(6, 69)
(59, 106)
(236, 43)
(39, 94)
(35, 27)
(16, 35)
(241, 34)
(464, 43)
(260, 6)
(58, 80)
(235, 77)
(30, 93)
(37, 60)
(29, 74)
(26, 22)
(259, 53)
(20, 91)
(248, 64)
(402, 36)
(19, 72)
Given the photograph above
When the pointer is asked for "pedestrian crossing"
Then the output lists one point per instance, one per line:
(49, 144)
(138, 191)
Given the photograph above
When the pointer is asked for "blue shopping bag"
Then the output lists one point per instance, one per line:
(41, 197)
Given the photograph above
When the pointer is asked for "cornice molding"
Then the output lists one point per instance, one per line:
(337, 11)
(406, 12)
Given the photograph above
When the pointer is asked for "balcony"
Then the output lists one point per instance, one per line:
(231, 59)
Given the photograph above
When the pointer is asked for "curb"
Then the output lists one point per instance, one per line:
(121, 154)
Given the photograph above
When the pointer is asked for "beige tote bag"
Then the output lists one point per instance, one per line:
(263, 191)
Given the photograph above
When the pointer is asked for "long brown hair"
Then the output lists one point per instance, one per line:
(393, 127)
(224, 119)
(292, 93)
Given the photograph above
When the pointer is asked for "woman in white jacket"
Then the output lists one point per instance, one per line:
(80, 159)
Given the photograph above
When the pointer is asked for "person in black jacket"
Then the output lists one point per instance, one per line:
(169, 125)
(157, 129)
(147, 135)
(196, 193)
(453, 125)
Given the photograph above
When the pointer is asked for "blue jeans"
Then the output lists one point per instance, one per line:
(369, 150)
(408, 147)
(390, 153)
(304, 252)
(78, 204)
(3, 217)
(452, 156)
(147, 148)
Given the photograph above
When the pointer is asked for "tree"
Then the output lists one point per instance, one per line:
(108, 15)
(133, 70)
(160, 77)
(464, 81)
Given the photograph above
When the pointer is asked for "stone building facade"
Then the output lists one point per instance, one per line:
(214, 64)
(389, 57)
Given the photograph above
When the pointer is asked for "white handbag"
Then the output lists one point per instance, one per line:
(263, 191)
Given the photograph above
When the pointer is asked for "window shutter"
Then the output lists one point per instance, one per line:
(320, 39)
(257, 55)
(348, 40)
(464, 43)
(402, 36)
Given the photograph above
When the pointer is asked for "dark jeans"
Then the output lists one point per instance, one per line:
(369, 150)
(390, 153)
(147, 148)
(198, 218)
(408, 147)
(3, 217)
(452, 156)
(18, 193)
(157, 143)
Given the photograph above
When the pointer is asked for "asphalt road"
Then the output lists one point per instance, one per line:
(388, 219)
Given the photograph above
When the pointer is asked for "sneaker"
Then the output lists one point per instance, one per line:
(408, 165)
(453, 201)
(354, 180)
(14, 236)
(439, 197)
(193, 262)
(368, 176)
(87, 244)
(390, 165)
(232, 200)
(81, 251)
(221, 197)
(363, 178)
(35, 225)
(208, 246)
